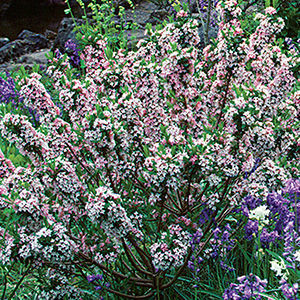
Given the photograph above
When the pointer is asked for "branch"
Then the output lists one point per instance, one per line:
(135, 262)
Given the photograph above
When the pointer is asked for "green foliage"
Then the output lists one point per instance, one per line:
(103, 20)
(289, 10)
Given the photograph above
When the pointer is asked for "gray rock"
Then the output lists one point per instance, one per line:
(3, 41)
(134, 36)
(38, 57)
(193, 6)
(14, 49)
(158, 16)
(27, 42)
(50, 35)
(142, 13)
(65, 32)
(39, 40)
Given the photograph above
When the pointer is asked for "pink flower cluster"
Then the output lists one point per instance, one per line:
(171, 249)
(145, 140)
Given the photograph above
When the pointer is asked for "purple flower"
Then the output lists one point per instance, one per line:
(249, 203)
(92, 278)
(266, 238)
(290, 292)
(191, 265)
(251, 228)
(248, 287)
(8, 92)
(73, 52)
(205, 215)
(292, 186)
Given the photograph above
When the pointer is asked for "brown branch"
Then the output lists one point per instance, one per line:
(136, 280)
(172, 210)
(200, 197)
(225, 96)
(134, 261)
(80, 162)
(173, 201)
(144, 256)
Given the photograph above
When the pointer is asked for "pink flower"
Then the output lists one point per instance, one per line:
(182, 14)
(270, 10)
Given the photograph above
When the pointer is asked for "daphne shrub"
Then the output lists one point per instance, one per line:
(140, 167)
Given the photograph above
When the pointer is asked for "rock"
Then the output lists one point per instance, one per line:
(193, 8)
(158, 16)
(142, 13)
(14, 49)
(27, 61)
(50, 35)
(27, 42)
(3, 41)
(38, 57)
(134, 36)
(65, 33)
(37, 39)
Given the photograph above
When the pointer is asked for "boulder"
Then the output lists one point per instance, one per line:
(3, 41)
(38, 57)
(50, 35)
(27, 42)
(27, 61)
(65, 33)
(39, 40)
(14, 49)
(158, 16)
(133, 37)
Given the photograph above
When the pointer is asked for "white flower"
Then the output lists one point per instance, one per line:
(297, 255)
(279, 268)
(260, 213)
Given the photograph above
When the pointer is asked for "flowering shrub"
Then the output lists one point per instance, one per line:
(154, 162)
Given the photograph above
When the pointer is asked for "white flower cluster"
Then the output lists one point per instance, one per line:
(50, 244)
(279, 267)
(6, 247)
(59, 287)
(17, 129)
(260, 213)
(172, 248)
(95, 207)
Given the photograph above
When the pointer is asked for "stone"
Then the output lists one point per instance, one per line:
(39, 40)
(38, 57)
(142, 13)
(134, 36)
(65, 33)
(27, 42)
(4, 41)
(158, 16)
(15, 49)
(193, 8)
(50, 35)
